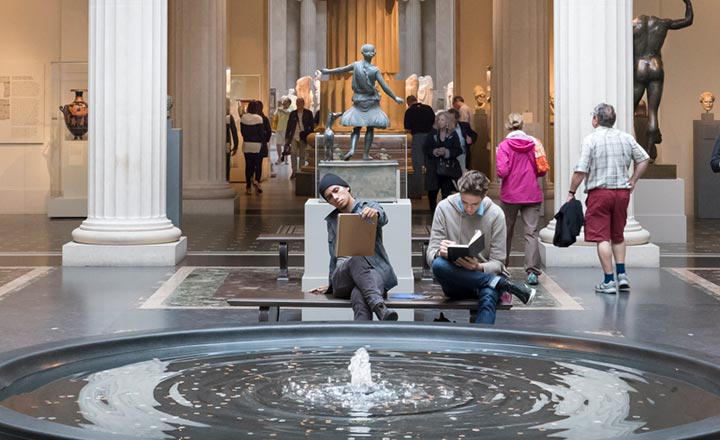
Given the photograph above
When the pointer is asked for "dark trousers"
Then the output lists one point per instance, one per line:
(446, 185)
(459, 283)
(356, 279)
(253, 168)
(416, 184)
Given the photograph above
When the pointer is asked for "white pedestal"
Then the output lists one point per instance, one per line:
(73, 180)
(646, 255)
(660, 208)
(209, 206)
(396, 238)
(167, 254)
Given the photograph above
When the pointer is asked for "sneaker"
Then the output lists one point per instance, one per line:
(524, 292)
(384, 314)
(623, 282)
(258, 187)
(532, 279)
(248, 191)
(606, 288)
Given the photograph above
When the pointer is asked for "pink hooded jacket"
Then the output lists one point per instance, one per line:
(517, 168)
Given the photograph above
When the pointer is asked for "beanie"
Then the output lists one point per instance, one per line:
(329, 180)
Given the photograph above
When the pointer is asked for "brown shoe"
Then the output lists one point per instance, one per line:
(248, 191)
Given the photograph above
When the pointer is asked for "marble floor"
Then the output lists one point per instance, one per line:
(675, 306)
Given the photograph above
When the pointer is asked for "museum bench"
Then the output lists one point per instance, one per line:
(287, 233)
(269, 303)
(284, 235)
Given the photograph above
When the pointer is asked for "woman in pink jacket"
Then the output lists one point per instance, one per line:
(520, 190)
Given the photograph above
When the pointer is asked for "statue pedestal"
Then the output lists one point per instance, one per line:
(660, 171)
(660, 208)
(377, 180)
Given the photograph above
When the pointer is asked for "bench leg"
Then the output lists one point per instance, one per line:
(269, 314)
(283, 251)
(426, 272)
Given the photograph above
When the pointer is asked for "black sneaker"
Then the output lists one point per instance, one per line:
(524, 292)
(384, 314)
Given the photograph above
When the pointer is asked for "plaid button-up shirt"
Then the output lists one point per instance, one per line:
(606, 157)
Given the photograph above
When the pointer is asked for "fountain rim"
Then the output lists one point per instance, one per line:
(18, 364)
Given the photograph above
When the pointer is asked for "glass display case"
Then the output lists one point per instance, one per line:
(384, 178)
(67, 151)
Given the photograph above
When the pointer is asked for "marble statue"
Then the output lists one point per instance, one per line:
(425, 90)
(411, 85)
(329, 136)
(707, 100)
(649, 34)
(293, 98)
(303, 89)
(365, 111)
(480, 97)
(449, 93)
(169, 105)
(316, 92)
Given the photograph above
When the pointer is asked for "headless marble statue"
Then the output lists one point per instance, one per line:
(411, 85)
(425, 90)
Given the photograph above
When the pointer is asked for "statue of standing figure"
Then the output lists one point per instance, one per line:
(366, 111)
(649, 34)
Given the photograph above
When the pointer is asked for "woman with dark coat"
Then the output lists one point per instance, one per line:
(444, 143)
(256, 133)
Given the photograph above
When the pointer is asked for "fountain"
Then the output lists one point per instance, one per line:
(315, 380)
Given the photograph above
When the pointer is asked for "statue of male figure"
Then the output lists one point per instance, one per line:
(366, 111)
(648, 37)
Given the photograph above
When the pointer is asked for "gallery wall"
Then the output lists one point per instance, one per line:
(36, 32)
(473, 46)
(692, 66)
(247, 41)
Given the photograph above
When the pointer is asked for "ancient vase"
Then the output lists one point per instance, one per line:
(76, 114)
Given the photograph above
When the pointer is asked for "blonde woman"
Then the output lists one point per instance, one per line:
(441, 152)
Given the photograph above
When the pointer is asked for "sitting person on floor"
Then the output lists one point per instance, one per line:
(364, 280)
(483, 276)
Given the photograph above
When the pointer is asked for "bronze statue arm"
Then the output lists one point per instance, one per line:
(387, 89)
(684, 22)
(337, 70)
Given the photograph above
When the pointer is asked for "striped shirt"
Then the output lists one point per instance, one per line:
(606, 157)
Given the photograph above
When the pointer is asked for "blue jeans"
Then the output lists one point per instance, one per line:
(459, 283)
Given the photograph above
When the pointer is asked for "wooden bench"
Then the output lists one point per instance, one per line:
(269, 305)
(284, 235)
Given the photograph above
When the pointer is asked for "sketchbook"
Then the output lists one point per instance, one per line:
(355, 236)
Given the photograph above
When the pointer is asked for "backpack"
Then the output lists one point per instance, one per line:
(541, 157)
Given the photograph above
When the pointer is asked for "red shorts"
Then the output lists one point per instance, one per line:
(606, 215)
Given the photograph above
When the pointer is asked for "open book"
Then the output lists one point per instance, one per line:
(472, 249)
(355, 236)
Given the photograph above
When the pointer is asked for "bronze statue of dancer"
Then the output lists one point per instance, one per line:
(648, 37)
(366, 111)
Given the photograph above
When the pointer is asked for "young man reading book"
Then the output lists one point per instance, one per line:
(363, 279)
(457, 220)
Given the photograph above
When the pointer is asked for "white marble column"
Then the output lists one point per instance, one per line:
(127, 70)
(444, 44)
(308, 25)
(277, 35)
(593, 64)
(197, 82)
(411, 37)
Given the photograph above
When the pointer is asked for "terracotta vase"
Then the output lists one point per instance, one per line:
(76, 114)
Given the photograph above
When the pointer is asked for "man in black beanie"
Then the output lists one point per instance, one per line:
(365, 280)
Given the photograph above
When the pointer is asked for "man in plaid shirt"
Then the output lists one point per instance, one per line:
(604, 163)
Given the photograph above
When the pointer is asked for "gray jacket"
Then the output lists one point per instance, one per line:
(380, 261)
(451, 223)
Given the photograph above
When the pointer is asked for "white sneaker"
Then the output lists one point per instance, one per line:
(623, 282)
(606, 288)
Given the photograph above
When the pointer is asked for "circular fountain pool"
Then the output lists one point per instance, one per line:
(293, 381)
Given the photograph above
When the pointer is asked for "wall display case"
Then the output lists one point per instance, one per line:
(67, 151)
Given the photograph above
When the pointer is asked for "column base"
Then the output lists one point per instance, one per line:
(166, 254)
(645, 255)
(209, 206)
